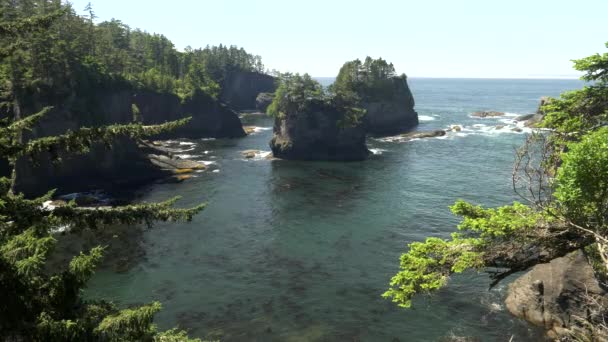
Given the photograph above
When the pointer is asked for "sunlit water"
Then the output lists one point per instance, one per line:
(302, 251)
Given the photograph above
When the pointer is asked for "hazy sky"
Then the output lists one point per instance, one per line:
(430, 38)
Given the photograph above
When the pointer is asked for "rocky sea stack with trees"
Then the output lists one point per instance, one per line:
(313, 123)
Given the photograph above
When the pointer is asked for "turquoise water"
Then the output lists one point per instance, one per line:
(302, 251)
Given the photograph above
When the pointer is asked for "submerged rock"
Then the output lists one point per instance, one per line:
(455, 128)
(316, 134)
(175, 164)
(250, 154)
(552, 295)
(487, 114)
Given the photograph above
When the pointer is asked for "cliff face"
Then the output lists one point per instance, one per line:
(240, 89)
(394, 114)
(210, 118)
(125, 164)
(317, 135)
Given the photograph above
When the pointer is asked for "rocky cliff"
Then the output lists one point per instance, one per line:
(210, 118)
(317, 135)
(240, 89)
(126, 164)
(393, 113)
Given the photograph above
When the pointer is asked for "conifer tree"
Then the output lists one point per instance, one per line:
(39, 302)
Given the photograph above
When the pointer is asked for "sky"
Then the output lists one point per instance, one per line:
(422, 38)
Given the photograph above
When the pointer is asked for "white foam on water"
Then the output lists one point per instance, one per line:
(187, 143)
(207, 162)
(425, 118)
(216, 171)
(512, 114)
(377, 151)
(207, 139)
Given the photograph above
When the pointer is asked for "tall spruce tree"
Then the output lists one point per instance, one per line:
(39, 302)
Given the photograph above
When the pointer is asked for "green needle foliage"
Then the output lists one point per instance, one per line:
(505, 240)
(41, 302)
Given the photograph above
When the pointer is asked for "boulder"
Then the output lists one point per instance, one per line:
(393, 112)
(422, 135)
(249, 129)
(455, 128)
(317, 134)
(175, 164)
(250, 154)
(241, 89)
(552, 295)
(517, 129)
(263, 100)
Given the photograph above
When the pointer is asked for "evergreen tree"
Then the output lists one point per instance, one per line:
(567, 204)
(39, 302)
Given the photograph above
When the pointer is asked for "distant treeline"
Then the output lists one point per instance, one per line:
(76, 55)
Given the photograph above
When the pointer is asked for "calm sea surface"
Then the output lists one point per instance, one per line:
(302, 251)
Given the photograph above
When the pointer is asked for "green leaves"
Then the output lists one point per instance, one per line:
(595, 66)
(582, 181)
(83, 266)
(427, 266)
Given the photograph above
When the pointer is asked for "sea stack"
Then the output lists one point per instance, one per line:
(394, 113)
(310, 126)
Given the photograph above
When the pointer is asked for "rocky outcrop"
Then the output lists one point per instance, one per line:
(125, 164)
(553, 295)
(263, 100)
(317, 135)
(210, 118)
(422, 135)
(394, 113)
(487, 114)
(240, 89)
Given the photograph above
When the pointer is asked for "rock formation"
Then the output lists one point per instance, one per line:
(210, 118)
(125, 164)
(487, 114)
(394, 113)
(263, 100)
(422, 135)
(240, 89)
(552, 295)
(317, 135)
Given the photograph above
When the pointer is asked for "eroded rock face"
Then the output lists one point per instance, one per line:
(240, 89)
(393, 115)
(317, 135)
(210, 118)
(551, 295)
(126, 164)
(263, 100)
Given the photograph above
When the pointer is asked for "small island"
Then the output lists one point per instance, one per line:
(313, 123)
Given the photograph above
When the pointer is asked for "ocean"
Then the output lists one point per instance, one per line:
(302, 251)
